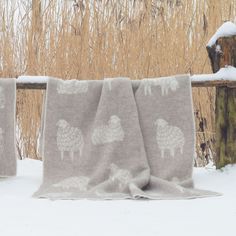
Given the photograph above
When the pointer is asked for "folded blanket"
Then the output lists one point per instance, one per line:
(7, 127)
(117, 139)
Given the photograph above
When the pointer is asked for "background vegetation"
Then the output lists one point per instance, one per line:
(104, 38)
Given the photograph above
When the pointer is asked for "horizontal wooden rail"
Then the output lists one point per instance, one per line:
(22, 85)
(214, 83)
(195, 83)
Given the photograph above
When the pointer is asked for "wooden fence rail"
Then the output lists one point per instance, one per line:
(195, 83)
(225, 112)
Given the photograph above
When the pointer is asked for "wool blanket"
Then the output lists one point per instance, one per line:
(118, 139)
(7, 127)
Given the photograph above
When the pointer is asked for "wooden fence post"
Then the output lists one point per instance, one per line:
(223, 53)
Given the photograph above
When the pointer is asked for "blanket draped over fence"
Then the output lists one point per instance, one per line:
(117, 139)
(7, 127)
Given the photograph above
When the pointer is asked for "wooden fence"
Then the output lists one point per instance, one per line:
(222, 112)
(225, 102)
(195, 83)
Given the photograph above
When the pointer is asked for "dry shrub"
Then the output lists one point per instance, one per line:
(104, 38)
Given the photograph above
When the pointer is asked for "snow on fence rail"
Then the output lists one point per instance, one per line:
(225, 77)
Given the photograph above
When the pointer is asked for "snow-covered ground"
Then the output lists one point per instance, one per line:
(22, 215)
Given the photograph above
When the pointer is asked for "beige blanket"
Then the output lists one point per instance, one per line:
(117, 139)
(7, 127)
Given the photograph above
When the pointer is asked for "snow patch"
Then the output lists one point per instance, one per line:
(32, 79)
(227, 73)
(226, 30)
(42, 217)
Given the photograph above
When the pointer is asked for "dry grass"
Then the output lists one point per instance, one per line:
(108, 38)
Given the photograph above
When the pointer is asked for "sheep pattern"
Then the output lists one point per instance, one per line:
(169, 137)
(119, 176)
(72, 87)
(2, 98)
(108, 82)
(109, 133)
(80, 183)
(166, 84)
(69, 139)
(1, 141)
(148, 83)
(60, 195)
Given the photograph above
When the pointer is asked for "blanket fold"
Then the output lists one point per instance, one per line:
(7, 127)
(117, 139)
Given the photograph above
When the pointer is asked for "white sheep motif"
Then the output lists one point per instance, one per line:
(69, 139)
(120, 176)
(108, 82)
(72, 86)
(148, 83)
(2, 98)
(169, 137)
(165, 83)
(1, 141)
(80, 183)
(108, 133)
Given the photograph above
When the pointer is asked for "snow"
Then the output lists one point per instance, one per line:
(25, 216)
(226, 73)
(226, 30)
(32, 79)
